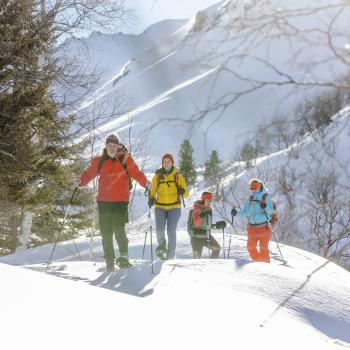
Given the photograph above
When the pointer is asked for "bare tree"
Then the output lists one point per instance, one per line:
(252, 33)
(329, 215)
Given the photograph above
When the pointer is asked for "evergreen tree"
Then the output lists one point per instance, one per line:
(34, 141)
(38, 158)
(187, 166)
(212, 168)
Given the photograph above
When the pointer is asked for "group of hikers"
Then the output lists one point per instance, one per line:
(167, 189)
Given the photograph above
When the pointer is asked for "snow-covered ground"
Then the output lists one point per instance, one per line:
(185, 303)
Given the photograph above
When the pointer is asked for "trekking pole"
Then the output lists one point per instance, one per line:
(233, 229)
(150, 231)
(229, 243)
(144, 244)
(208, 234)
(223, 241)
(274, 237)
(61, 228)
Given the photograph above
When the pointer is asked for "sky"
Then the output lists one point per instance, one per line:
(152, 11)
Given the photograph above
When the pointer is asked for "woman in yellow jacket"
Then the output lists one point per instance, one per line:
(168, 188)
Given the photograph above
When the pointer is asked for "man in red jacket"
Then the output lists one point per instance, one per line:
(115, 168)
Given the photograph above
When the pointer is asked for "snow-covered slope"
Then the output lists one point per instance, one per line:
(309, 182)
(185, 303)
(178, 68)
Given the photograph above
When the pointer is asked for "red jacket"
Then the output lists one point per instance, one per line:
(113, 182)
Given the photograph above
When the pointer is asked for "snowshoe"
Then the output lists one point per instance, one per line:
(161, 252)
(123, 263)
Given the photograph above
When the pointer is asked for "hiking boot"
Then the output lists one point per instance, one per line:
(110, 264)
(161, 251)
(196, 254)
(123, 262)
(169, 256)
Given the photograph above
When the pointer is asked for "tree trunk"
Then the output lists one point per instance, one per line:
(26, 231)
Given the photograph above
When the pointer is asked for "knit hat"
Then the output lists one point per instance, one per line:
(207, 196)
(112, 139)
(255, 184)
(168, 156)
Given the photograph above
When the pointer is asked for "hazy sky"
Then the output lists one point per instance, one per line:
(152, 11)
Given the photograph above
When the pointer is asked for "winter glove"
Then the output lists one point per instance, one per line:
(233, 211)
(262, 205)
(149, 185)
(151, 201)
(181, 191)
(220, 224)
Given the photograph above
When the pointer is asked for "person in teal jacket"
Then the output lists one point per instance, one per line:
(258, 209)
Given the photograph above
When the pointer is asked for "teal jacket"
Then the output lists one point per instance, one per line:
(256, 215)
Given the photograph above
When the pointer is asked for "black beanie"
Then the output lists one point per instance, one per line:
(112, 139)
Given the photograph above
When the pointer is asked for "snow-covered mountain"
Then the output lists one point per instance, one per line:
(161, 77)
(185, 303)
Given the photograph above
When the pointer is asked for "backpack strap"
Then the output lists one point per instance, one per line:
(122, 162)
(160, 180)
(176, 178)
(263, 198)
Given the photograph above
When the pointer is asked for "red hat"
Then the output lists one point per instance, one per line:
(207, 196)
(168, 156)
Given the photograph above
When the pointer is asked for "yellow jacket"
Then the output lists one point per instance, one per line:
(165, 189)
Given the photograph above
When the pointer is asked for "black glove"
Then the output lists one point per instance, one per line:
(262, 205)
(220, 224)
(151, 201)
(233, 211)
(181, 191)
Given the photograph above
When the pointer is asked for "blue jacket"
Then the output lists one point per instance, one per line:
(252, 209)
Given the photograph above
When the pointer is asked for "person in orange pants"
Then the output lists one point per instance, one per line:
(259, 235)
(259, 209)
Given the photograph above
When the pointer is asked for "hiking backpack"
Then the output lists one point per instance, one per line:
(194, 231)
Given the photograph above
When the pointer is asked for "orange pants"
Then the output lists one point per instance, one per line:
(261, 235)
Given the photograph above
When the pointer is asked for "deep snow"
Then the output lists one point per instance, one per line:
(202, 304)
